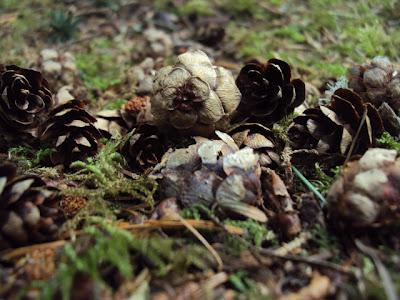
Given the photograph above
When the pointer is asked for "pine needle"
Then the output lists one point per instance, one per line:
(202, 240)
(310, 186)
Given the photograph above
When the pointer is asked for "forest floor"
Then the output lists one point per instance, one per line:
(114, 244)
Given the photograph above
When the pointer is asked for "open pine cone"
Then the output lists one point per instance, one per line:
(70, 129)
(28, 209)
(215, 172)
(367, 193)
(332, 128)
(144, 147)
(193, 95)
(268, 93)
(259, 138)
(377, 82)
(24, 103)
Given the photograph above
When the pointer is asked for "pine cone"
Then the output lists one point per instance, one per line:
(332, 128)
(28, 209)
(377, 82)
(70, 129)
(268, 94)
(193, 95)
(24, 104)
(144, 148)
(215, 172)
(135, 112)
(367, 192)
(259, 138)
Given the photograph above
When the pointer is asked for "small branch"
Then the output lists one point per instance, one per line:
(307, 260)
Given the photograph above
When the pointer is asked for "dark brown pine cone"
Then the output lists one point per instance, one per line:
(268, 93)
(28, 209)
(377, 82)
(259, 138)
(144, 148)
(367, 192)
(332, 128)
(70, 129)
(24, 103)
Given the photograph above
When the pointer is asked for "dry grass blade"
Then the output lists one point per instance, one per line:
(353, 144)
(203, 241)
(18, 252)
(384, 274)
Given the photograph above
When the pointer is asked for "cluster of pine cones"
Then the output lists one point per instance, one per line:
(191, 98)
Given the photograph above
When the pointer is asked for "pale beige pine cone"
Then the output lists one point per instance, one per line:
(193, 96)
(367, 192)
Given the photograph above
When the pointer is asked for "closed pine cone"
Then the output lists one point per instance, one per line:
(268, 93)
(377, 82)
(367, 192)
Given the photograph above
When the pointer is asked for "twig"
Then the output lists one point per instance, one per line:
(353, 143)
(307, 260)
(387, 281)
(294, 244)
(28, 249)
(203, 241)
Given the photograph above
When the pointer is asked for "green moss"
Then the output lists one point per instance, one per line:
(324, 181)
(105, 244)
(331, 69)
(199, 7)
(197, 211)
(29, 158)
(105, 171)
(116, 104)
(256, 234)
(98, 65)
(389, 142)
(291, 32)
(247, 287)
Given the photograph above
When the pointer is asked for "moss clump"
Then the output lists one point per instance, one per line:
(104, 171)
(246, 286)
(29, 158)
(389, 142)
(256, 234)
(102, 72)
